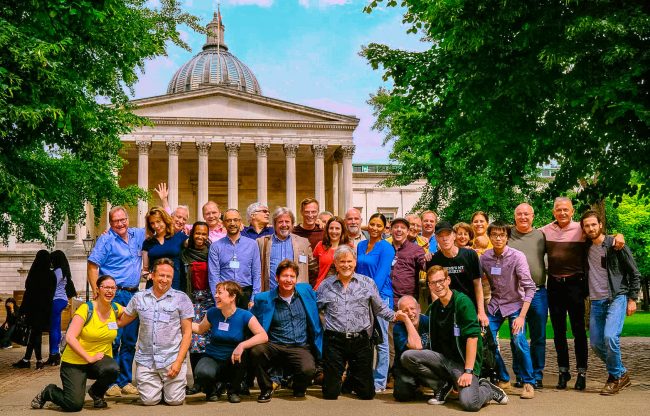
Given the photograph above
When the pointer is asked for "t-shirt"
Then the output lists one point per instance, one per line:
(170, 248)
(94, 337)
(400, 337)
(314, 235)
(598, 284)
(441, 335)
(533, 245)
(226, 334)
(463, 270)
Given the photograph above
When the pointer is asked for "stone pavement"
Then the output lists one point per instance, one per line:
(18, 387)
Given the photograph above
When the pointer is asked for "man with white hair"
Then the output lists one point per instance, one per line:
(353, 225)
(180, 215)
(258, 218)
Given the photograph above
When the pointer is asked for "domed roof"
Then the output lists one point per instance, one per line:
(214, 66)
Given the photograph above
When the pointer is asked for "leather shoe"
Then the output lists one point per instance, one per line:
(265, 396)
(234, 398)
(538, 385)
(564, 377)
(581, 382)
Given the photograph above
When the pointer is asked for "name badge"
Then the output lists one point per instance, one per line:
(112, 325)
(234, 264)
(495, 271)
(456, 330)
(223, 326)
(302, 258)
(163, 317)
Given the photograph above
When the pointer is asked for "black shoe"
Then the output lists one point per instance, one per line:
(441, 394)
(299, 394)
(40, 365)
(53, 360)
(234, 398)
(538, 385)
(564, 377)
(498, 395)
(190, 391)
(265, 396)
(98, 401)
(21, 364)
(38, 402)
(581, 382)
(519, 384)
(212, 397)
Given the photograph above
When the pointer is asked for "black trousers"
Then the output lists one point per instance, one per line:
(209, 371)
(34, 343)
(357, 353)
(74, 376)
(299, 361)
(406, 384)
(568, 296)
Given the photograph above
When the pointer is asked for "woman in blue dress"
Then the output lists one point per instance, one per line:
(162, 242)
(374, 259)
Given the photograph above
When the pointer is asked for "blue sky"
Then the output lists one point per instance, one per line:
(302, 51)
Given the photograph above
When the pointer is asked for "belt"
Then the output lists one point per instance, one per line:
(128, 289)
(347, 335)
(568, 279)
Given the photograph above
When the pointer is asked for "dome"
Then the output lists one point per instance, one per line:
(214, 65)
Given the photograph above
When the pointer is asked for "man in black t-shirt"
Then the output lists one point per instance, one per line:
(462, 265)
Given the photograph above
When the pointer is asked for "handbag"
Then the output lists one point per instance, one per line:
(70, 290)
(23, 331)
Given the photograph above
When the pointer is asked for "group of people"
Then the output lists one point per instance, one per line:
(341, 303)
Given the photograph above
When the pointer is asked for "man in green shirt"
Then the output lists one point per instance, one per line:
(455, 338)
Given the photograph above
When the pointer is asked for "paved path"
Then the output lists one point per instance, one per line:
(18, 387)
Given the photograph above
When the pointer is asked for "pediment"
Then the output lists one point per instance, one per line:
(223, 103)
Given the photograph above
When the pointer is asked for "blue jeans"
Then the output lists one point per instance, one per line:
(521, 352)
(536, 319)
(124, 344)
(58, 305)
(605, 326)
(380, 374)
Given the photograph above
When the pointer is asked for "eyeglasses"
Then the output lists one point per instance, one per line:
(109, 288)
(265, 211)
(120, 221)
(436, 282)
(498, 236)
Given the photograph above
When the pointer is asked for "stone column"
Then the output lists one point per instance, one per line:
(173, 148)
(262, 151)
(203, 149)
(143, 178)
(232, 149)
(319, 173)
(290, 151)
(335, 182)
(347, 152)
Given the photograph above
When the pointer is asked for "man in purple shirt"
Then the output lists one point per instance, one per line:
(512, 291)
(408, 262)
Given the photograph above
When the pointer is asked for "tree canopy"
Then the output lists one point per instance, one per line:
(66, 67)
(508, 86)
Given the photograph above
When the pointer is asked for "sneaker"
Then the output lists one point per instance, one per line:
(498, 395)
(22, 363)
(265, 396)
(8, 347)
(113, 391)
(38, 402)
(610, 387)
(98, 401)
(380, 390)
(129, 389)
(581, 382)
(528, 392)
(563, 378)
(234, 398)
(504, 385)
(441, 394)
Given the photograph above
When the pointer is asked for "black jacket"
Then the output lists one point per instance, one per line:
(622, 272)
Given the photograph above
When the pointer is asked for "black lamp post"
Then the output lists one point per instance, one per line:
(89, 243)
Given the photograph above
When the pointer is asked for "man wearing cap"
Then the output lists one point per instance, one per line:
(462, 265)
(409, 261)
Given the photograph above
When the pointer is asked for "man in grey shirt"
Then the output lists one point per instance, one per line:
(163, 339)
(349, 302)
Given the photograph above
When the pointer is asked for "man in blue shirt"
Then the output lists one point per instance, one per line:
(118, 253)
(258, 218)
(236, 259)
(289, 314)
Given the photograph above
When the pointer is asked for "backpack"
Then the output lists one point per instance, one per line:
(89, 315)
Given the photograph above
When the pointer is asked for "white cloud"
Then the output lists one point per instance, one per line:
(322, 3)
(261, 3)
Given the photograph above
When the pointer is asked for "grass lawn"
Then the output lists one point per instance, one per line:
(637, 325)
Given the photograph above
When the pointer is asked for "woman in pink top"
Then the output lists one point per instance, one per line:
(335, 234)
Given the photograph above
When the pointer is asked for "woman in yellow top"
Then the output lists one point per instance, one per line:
(88, 354)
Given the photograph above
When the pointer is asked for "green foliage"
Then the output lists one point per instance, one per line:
(632, 219)
(59, 61)
(507, 86)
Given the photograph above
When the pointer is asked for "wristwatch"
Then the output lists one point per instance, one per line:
(469, 371)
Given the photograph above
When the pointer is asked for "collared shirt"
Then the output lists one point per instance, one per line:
(280, 250)
(405, 274)
(159, 336)
(359, 238)
(289, 323)
(510, 280)
(533, 245)
(565, 249)
(251, 233)
(238, 262)
(118, 258)
(217, 234)
(348, 309)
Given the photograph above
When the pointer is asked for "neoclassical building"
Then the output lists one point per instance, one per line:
(216, 137)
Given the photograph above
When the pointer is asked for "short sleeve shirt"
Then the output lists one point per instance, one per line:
(226, 333)
(95, 336)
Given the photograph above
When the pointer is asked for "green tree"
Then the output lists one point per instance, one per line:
(66, 68)
(507, 86)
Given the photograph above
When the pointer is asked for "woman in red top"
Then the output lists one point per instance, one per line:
(335, 234)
